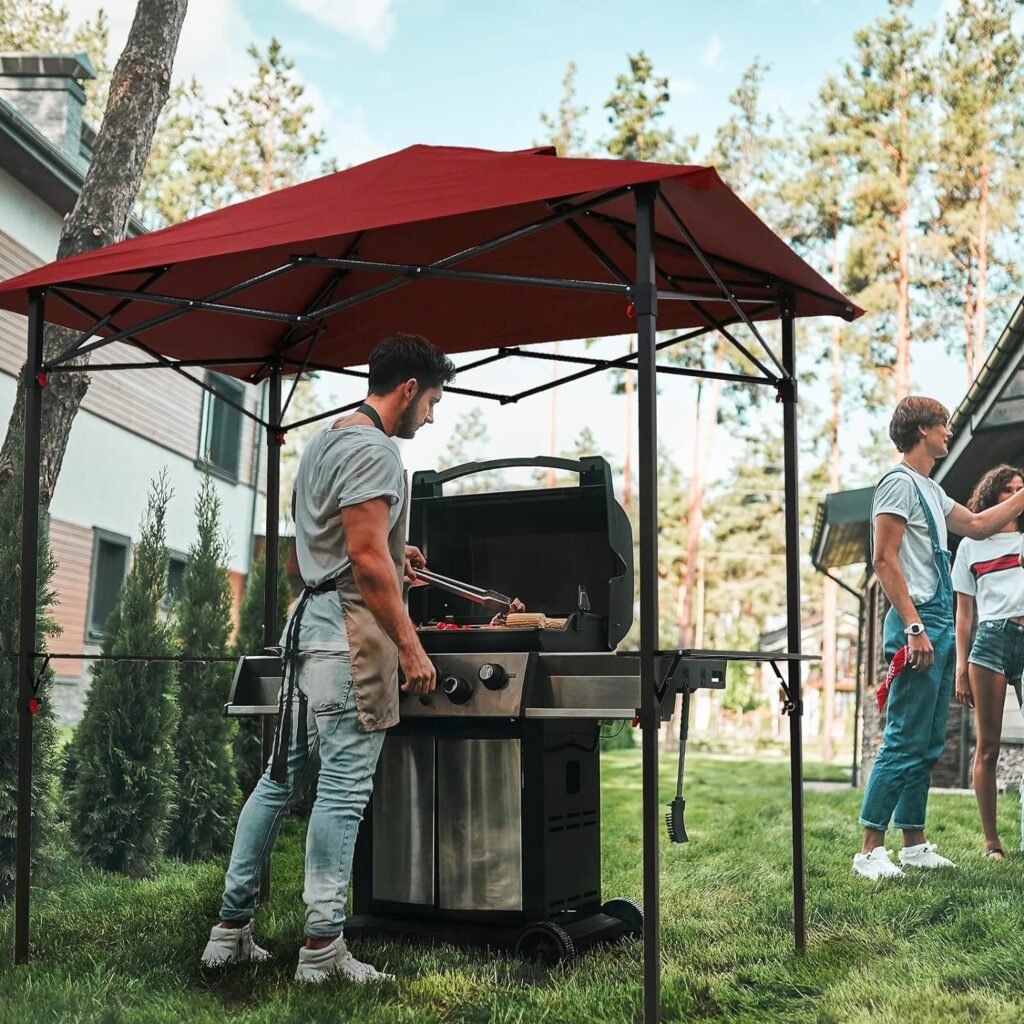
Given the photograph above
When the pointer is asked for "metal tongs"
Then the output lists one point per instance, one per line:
(478, 595)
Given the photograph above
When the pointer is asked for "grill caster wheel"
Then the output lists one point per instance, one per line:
(546, 943)
(629, 912)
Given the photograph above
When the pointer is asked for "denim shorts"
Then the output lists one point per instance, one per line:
(999, 647)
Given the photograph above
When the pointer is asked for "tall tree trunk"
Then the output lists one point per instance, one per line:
(694, 522)
(903, 265)
(830, 591)
(627, 465)
(981, 298)
(553, 425)
(138, 91)
(970, 312)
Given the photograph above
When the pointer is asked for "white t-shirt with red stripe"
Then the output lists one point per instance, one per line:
(990, 572)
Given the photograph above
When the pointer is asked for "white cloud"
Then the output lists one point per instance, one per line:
(370, 21)
(712, 52)
(679, 87)
(351, 141)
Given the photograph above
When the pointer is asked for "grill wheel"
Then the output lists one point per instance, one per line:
(546, 943)
(629, 912)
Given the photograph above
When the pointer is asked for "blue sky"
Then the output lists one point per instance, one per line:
(383, 74)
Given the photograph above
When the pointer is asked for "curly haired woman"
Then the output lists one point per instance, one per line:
(987, 575)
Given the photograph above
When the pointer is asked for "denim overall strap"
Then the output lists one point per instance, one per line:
(940, 556)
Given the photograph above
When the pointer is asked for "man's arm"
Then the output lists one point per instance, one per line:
(366, 531)
(979, 525)
(889, 531)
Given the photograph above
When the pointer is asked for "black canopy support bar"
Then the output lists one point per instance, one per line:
(736, 303)
(478, 250)
(170, 364)
(710, 322)
(204, 305)
(174, 314)
(74, 348)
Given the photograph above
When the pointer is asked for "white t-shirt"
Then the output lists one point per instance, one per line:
(896, 495)
(989, 570)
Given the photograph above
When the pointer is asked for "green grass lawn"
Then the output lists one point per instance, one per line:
(932, 948)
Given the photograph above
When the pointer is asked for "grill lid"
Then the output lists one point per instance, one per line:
(549, 547)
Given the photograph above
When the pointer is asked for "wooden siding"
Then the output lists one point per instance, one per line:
(159, 405)
(71, 547)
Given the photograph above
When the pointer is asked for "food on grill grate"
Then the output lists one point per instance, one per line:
(526, 620)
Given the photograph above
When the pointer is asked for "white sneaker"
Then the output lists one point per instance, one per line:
(923, 856)
(315, 965)
(875, 865)
(232, 946)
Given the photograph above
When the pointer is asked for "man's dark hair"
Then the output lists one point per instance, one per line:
(404, 356)
(911, 413)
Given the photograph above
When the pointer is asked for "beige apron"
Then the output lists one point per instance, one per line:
(373, 654)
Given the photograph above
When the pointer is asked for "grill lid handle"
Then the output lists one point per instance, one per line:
(591, 470)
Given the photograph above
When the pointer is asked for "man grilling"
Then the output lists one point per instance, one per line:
(345, 640)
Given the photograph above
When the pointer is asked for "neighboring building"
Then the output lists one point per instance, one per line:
(988, 429)
(845, 710)
(132, 424)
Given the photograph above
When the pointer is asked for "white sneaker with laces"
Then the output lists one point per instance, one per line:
(316, 965)
(232, 946)
(923, 856)
(875, 865)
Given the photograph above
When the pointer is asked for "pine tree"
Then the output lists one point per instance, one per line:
(208, 795)
(125, 779)
(468, 443)
(44, 730)
(246, 746)
(980, 178)
(884, 109)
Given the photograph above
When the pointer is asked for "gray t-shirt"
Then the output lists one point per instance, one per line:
(341, 467)
(897, 496)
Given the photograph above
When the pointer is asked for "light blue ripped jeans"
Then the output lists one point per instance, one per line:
(343, 760)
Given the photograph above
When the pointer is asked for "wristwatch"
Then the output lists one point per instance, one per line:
(914, 629)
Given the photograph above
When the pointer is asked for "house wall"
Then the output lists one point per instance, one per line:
(132, 425)
(954, 767)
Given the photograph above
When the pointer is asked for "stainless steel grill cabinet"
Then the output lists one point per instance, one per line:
(485, 822)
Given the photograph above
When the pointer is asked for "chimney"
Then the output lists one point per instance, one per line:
(45, 88)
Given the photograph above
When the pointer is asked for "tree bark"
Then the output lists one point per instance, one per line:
(553, 424)
(903, 259)
(138, 91)
(981, 298)
(830, 591)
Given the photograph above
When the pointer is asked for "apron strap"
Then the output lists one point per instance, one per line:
(282, 742)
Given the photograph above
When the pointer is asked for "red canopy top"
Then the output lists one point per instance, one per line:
(415, 207)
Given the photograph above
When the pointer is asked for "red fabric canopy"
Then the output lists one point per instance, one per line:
(417, 206)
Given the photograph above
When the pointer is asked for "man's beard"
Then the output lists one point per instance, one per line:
(407, 424)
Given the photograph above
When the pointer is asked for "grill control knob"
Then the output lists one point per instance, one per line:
(457, 689)
(493, 676)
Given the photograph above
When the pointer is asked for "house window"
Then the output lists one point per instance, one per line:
(220, 437)
(175, 579)
(110, 552)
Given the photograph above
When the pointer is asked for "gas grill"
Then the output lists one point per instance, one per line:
(484, 826)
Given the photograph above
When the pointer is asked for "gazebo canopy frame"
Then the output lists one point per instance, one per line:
(117, 286)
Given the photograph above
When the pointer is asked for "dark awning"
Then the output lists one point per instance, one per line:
(842, 529)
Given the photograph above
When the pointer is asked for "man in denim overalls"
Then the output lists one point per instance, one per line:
(910, 514)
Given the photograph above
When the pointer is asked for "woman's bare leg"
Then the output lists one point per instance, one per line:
(989, 690)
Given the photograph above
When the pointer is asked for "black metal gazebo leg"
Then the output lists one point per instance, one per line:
(645, 304)
(271, 549)
(788, 393)
(27, 628)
